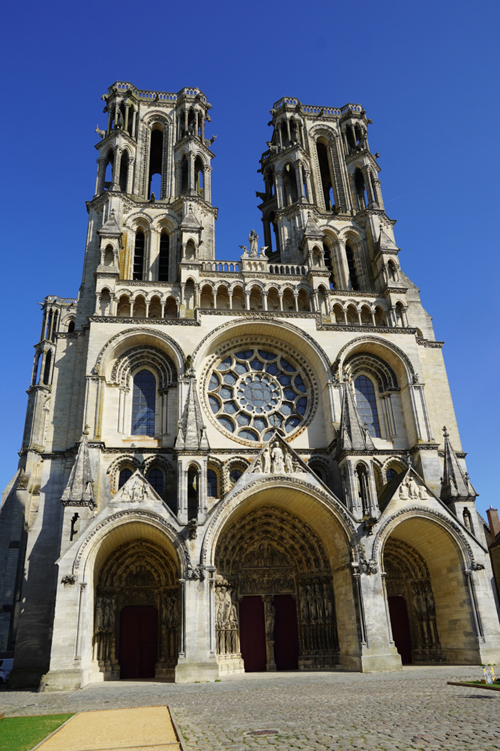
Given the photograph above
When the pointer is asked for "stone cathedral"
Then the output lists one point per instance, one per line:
(234, 466)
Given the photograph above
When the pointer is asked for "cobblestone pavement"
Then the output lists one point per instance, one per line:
(412, 709)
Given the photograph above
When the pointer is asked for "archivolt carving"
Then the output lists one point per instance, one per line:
(381, 371)
(281, 324)
(139, 563)
(336, 507)
(96, 370)
(270, 538)
(141, 515)
(412, 511)
(144, 355)
(375, 340)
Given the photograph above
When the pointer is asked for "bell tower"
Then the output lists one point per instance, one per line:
(152, 209)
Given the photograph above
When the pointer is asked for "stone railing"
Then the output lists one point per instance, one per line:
(287, 269)
(224, 266)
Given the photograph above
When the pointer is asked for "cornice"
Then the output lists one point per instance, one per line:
(429, 343)
(424, 447)
(397, 290)
(365, 329)
(150, 321)
(259, 313)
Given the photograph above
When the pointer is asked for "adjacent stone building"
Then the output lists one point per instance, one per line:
(233, 466)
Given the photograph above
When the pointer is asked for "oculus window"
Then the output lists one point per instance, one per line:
(254, 391)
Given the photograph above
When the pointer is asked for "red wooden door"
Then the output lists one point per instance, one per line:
(286, 633)
(400, 627)
(252, 634)
(138, 641)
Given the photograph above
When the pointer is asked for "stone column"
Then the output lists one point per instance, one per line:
(191, 182)
(130, 176)
(116, 169)
(197, 661)
(298, 180)
(279, 189)
(377, 650)
(101, 173)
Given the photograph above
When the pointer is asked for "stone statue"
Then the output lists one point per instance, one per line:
(138, 491)
(270, 616)
(422, 491)
(267, 460)
(304, 611)
(278, 465)
(328, 603)
(100, 132)
(119, 119)
(253, 239)
(403, 492)
(289, 463)
(413, 488)
(99, 615)
(258, 465)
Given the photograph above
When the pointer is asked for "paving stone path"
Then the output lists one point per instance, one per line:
(412, 709)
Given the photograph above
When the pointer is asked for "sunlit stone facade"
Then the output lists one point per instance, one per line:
(239, 465)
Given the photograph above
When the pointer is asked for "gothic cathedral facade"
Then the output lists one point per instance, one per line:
(234, 466)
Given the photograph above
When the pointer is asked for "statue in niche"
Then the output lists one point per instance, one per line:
(304, 610)
(311, 602)
(319, 602)
(253, 239)
(99, 614)
(278, 464)
(328, 603)
(270, 616)
(267, 460)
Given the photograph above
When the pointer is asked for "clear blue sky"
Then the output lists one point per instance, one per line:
(426, 73)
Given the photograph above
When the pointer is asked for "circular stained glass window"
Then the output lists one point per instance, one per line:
(252, 392)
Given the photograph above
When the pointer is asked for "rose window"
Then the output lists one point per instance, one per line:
(253, 392)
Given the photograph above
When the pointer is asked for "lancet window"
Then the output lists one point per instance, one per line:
(139, 255)
(367, 404)
(143, 404)
(164, 257)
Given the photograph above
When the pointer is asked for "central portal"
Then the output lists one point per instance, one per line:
(273, 596)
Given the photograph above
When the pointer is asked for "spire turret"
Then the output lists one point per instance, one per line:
(456, 485)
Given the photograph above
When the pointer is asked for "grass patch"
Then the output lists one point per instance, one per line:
(22, 733)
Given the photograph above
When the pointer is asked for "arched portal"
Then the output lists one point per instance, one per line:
(275, 606)
(411, 603)
(424, 564)
(136, 617)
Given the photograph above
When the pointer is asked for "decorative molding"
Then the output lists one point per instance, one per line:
(335, 506)
(432, 515)
(122, 334)
(151, 321)
(429, 343)
(143, 515)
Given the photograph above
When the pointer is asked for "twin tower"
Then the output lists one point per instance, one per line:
(243, 459)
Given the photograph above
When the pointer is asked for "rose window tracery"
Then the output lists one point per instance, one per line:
(254, 391)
